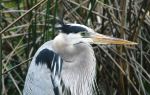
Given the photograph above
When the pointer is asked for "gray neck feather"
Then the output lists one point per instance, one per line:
(79, 71)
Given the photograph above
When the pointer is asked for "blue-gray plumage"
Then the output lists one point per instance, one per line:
(66, 65)
(57, 67)
(50, 58)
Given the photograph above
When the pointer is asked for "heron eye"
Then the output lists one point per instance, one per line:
(83, 34)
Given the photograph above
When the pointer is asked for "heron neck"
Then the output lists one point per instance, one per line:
(80, 73)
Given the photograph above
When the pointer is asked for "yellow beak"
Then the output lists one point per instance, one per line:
(102, 39)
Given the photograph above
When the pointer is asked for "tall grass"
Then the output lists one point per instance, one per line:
(121, 70)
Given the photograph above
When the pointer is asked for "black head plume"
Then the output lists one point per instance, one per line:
(70, 28)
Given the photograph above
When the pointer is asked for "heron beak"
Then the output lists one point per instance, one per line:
(106, 40)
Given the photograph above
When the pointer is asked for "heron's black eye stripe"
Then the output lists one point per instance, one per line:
(72, 29)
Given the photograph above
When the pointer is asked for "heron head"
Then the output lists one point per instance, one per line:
(76, 33)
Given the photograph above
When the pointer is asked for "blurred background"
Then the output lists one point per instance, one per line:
(121, 70)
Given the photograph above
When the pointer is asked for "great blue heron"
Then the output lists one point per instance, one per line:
(67, 62)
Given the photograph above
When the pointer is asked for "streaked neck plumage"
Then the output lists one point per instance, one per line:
(79, 65)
